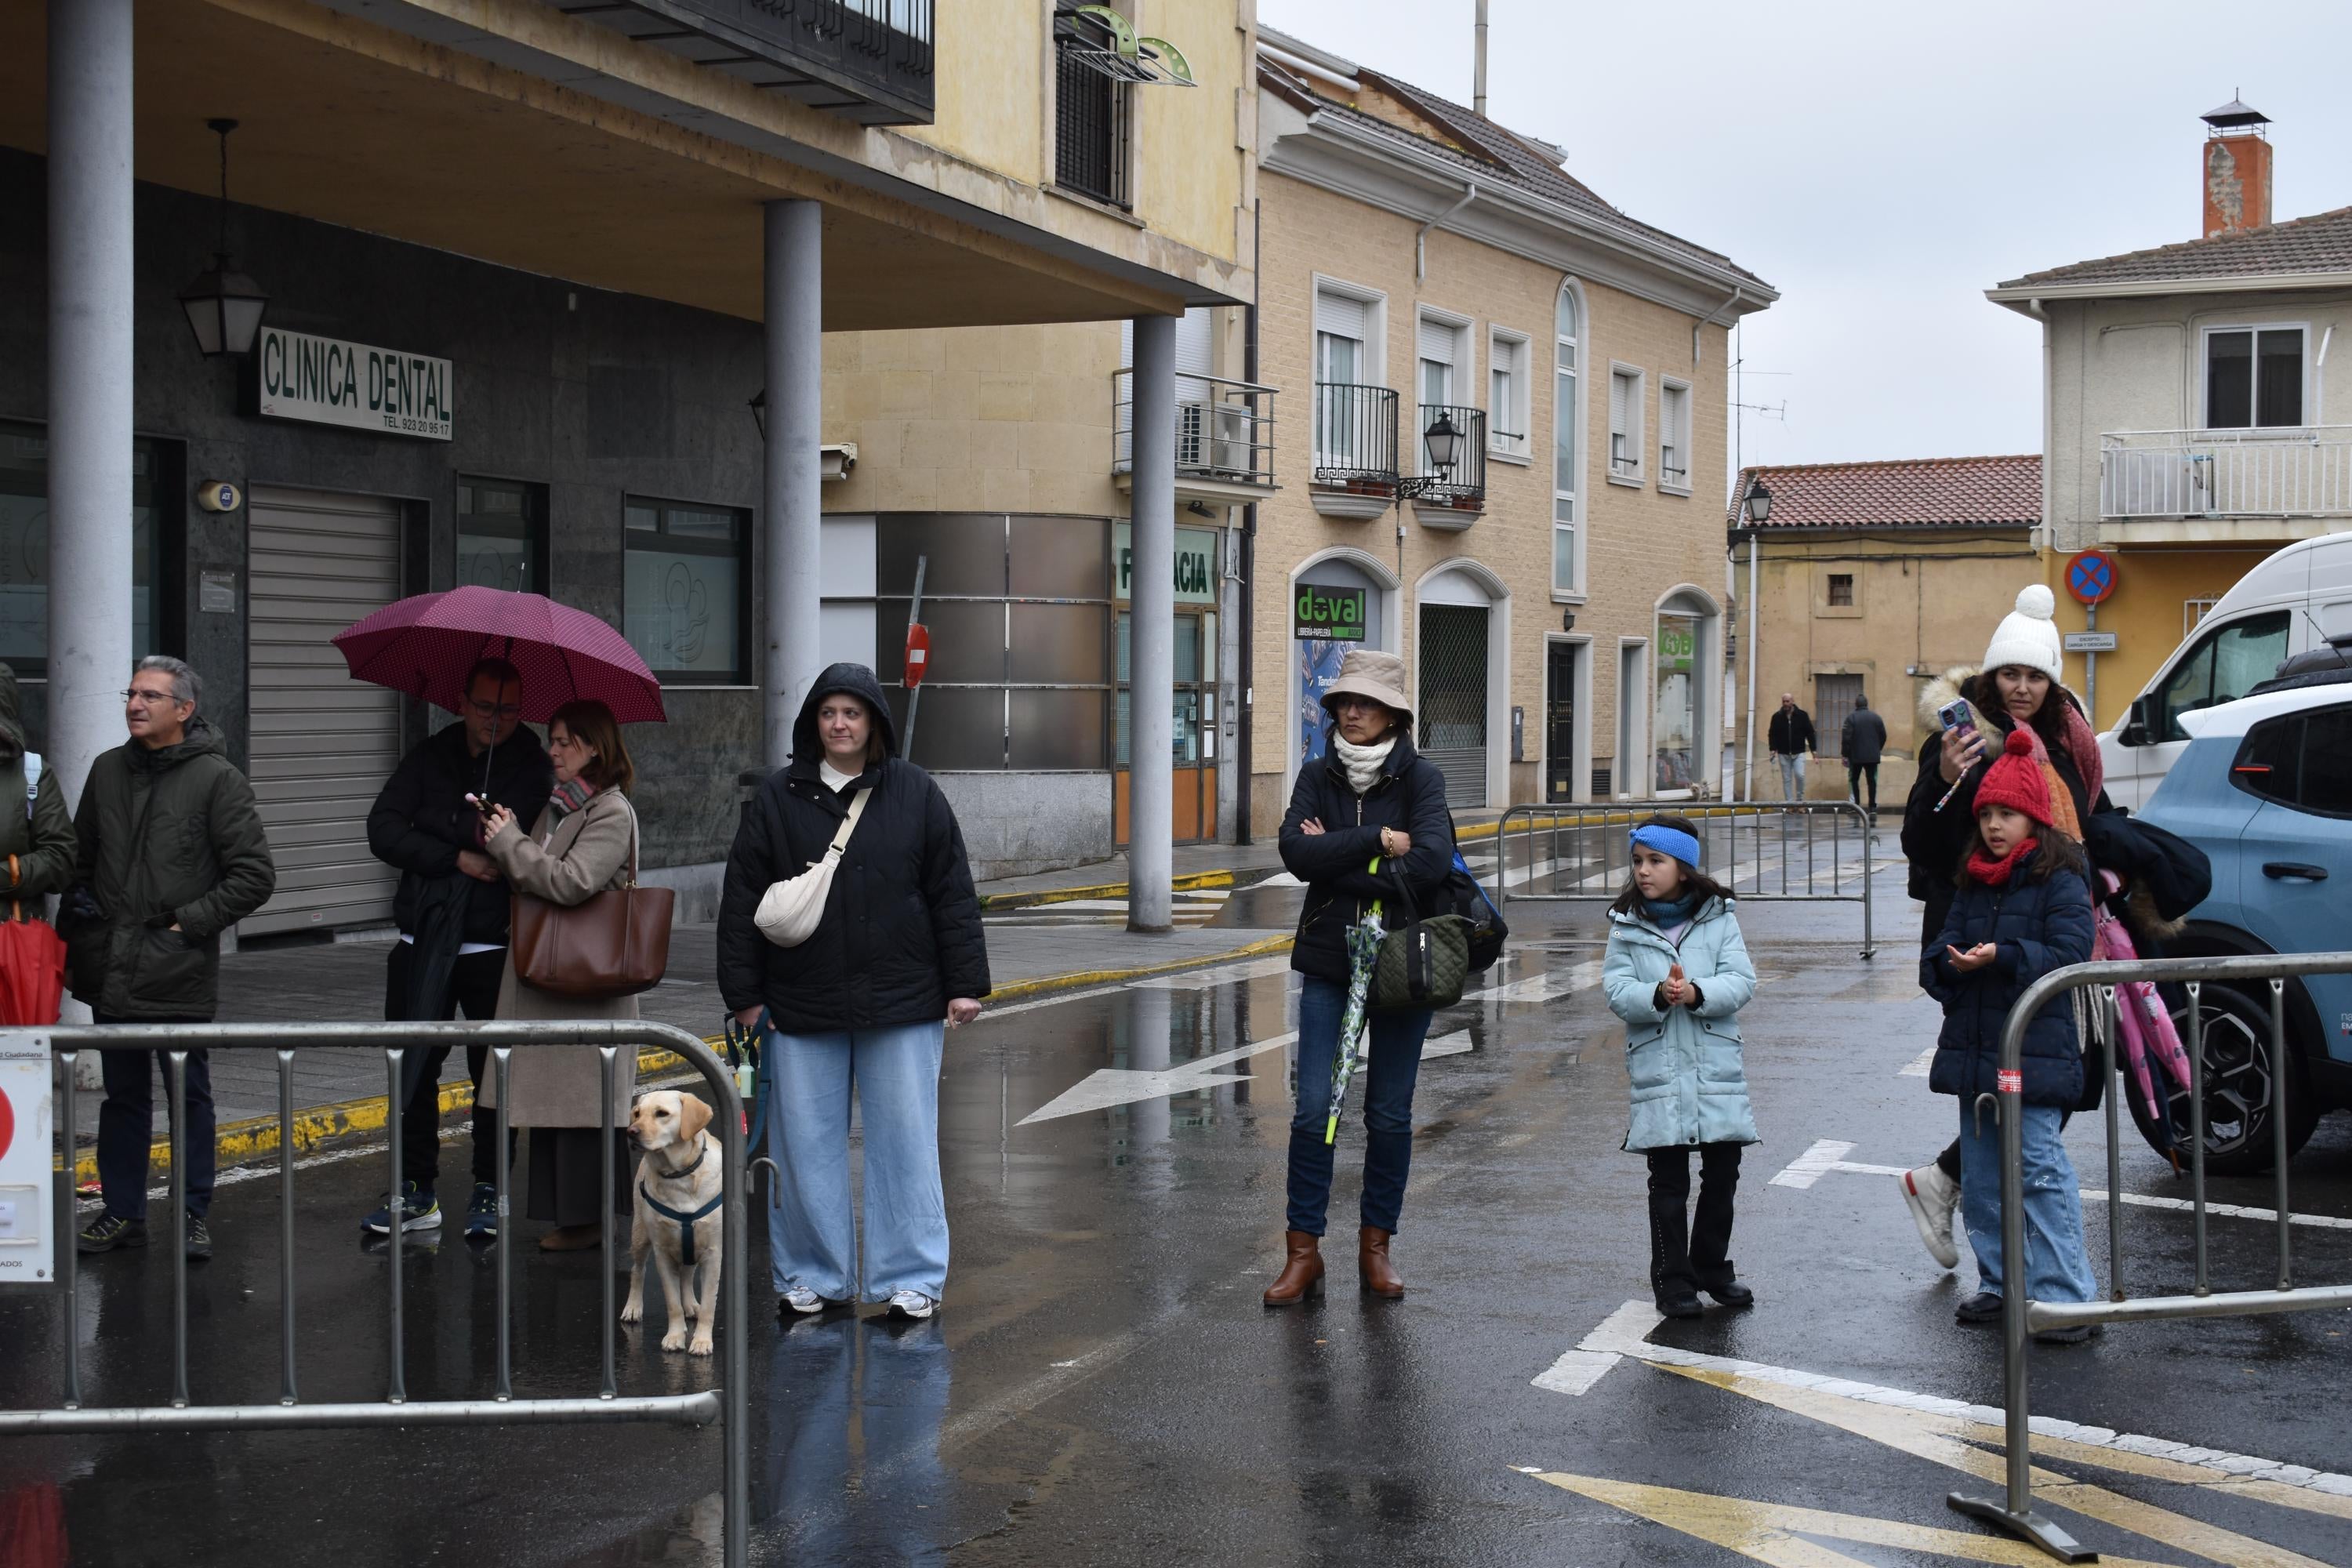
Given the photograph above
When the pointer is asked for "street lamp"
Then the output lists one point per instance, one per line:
(1442, 442)
(224, 305)
(1758, 502)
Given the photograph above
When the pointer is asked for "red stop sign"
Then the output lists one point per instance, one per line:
(918, 654)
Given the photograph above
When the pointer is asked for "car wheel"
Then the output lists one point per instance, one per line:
(2237, 1088)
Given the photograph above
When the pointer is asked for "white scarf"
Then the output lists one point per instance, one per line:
(1363, 762)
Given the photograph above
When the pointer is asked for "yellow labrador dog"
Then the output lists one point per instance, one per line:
(679, 1185)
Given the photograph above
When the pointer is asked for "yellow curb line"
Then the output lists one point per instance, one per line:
(239, 1142)
(1191, 881)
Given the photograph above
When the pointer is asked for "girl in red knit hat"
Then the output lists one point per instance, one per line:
(2024, 908)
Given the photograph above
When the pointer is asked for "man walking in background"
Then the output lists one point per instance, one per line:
(452, 907)
(170, 853)
(1863, 741)
(1792, 740)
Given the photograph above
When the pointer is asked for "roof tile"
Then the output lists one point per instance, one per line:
(2320, 243)
(1913, 492)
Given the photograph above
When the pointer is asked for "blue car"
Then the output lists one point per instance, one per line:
(2265, 789)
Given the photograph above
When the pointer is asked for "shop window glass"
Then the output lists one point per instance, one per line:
(25, 546)
(502, 535)
(685, 591)
(1677, 701)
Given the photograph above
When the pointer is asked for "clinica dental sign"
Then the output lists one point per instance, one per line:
(329, 381)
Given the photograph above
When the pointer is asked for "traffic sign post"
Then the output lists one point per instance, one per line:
(29, 1222)
(919, 657)
(2091, 578)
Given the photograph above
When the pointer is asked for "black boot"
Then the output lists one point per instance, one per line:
(1710, 1242)
(1671, 1283)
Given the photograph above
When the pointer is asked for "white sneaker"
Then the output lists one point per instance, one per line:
(801, 1300)
(912, 1305)
(1932, 1196)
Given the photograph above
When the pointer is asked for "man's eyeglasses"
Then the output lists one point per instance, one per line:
(135, 697)
(494, 710)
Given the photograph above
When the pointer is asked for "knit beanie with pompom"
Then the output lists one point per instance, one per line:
(2027, 636)
(2017, 780)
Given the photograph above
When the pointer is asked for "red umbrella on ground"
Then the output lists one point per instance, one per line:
(424, 645)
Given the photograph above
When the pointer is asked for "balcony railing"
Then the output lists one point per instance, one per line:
(867, 60)
(1225, 431)
(1356, 437)
(1461, 489)
(2300, 472)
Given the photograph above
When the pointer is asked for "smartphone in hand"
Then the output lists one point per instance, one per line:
(481, 802)
(1953, 716)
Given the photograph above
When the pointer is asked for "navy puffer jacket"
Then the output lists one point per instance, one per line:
(2035, 927)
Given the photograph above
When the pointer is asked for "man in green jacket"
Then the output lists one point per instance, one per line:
(171, 853)
(37, 847)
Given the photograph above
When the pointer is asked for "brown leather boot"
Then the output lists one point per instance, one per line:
(1302, 1270)
(1377, 1275)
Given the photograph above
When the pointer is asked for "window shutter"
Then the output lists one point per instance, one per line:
(1621, 386)
(1437, 340)
(1191, 341)
(1341, 316)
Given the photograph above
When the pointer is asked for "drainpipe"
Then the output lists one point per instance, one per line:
(2049, 418)
(1245, 710)
(1421, 240)
(1749, 767)
(1700, 326)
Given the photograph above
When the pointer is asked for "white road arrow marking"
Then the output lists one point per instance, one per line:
(1107, 1086)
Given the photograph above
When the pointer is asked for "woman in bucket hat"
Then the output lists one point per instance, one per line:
(1370, 810)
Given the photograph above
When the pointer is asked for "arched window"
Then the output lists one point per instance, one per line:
(1567, 558)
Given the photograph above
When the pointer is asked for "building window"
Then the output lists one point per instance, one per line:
(25, 543)
(1624, 423)
(1355, 432)
(1835, 696)
(1840, 590)
(1442, 370)
(501, 535)
(1507, 393)
(1091, 110)
(1567, 553)
(2253, 378)
(686, 591)
(1674, 435)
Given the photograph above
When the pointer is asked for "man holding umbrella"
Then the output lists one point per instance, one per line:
(452, 907)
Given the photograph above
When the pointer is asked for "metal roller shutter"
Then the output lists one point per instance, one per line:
(322, 744)
(1451, 720)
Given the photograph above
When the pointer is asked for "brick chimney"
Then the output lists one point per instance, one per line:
(2237, 169)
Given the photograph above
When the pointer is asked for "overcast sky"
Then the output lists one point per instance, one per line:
(1881, 165)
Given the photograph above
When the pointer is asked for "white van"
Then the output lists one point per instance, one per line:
(2298, 599)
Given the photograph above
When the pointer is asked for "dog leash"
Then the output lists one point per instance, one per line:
(745, 1055)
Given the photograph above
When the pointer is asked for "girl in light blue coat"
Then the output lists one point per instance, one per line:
(1677, 973)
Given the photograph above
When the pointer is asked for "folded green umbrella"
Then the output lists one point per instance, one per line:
(1364, 952)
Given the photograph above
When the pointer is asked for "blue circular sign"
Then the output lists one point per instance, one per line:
(2090, 578)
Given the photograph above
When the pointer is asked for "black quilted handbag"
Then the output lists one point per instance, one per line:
(1422, 964)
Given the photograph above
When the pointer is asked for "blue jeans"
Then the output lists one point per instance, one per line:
(1792, 775)
(1385, 1084)
(2057, 1264)
(812, 1233)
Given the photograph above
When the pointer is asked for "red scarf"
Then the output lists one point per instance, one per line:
(1996, 873)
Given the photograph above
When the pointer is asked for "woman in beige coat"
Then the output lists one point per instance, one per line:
(583, 844)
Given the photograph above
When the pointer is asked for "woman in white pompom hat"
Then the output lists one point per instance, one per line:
(2018, 685)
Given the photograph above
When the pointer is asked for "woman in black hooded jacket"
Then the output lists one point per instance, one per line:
(1369, 811)
(897, 956)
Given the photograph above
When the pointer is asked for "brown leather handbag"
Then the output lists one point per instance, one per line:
(613, 943)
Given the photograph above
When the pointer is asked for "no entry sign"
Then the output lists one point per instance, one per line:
(918, 654)
(2091, 576)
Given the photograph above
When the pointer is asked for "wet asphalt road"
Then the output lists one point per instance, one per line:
(1102, 1386)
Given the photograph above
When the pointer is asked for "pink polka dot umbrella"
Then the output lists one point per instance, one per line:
(422, 646)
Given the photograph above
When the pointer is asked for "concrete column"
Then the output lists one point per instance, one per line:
(1151, 598)
(90, 382)
(794, 294)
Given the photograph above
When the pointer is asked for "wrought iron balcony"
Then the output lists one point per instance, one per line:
(1355, 449)
(2305, 471)
(1455, 495)
(867, 60)
(1224, 435)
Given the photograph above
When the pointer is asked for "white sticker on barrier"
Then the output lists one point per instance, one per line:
(27, 1182)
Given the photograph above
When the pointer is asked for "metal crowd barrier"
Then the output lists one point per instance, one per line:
(726, 1403)
(1581, 850)
(2014, 1512)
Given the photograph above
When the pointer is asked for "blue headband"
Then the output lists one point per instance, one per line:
(1671, 841)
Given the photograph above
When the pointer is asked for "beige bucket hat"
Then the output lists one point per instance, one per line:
(1368, 672)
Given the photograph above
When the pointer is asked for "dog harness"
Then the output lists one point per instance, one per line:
(685, 1221)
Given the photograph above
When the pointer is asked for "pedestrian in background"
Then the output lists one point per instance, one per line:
(1370, 810)
(862, 1004)
(452, 907)
(1792, 740)
(36, 848)
(1862, 742)
(584, 842)
(1678, 972)
(168, 853)
(2022, 910)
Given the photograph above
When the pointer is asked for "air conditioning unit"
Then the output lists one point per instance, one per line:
(1213, 439)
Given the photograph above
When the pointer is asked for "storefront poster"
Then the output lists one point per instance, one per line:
(1317, 663)
(1331, 615)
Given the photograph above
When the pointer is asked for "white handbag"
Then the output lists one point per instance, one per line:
(788, 910)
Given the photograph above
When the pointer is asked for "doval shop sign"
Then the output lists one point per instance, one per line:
(327, 381)
(1327, 615)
